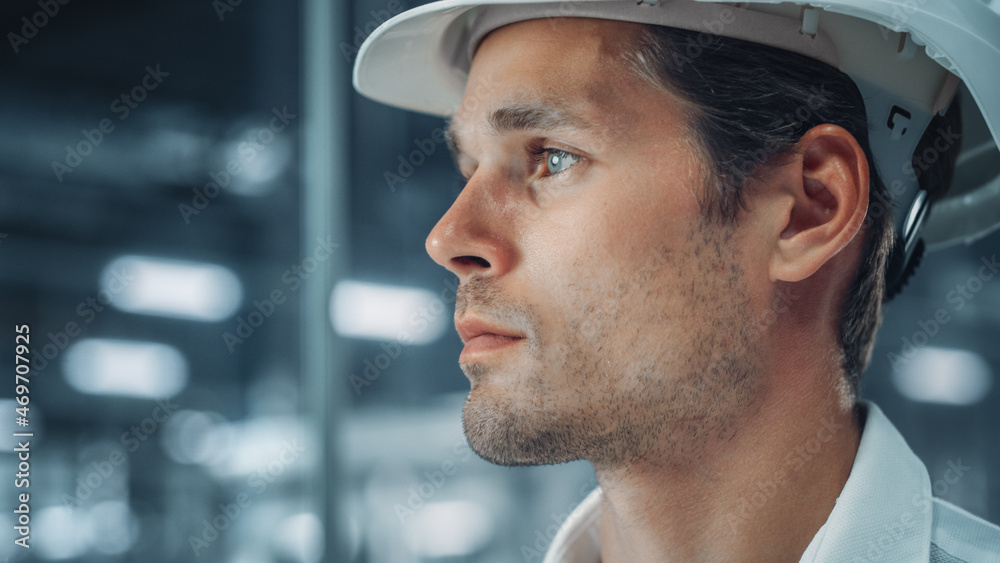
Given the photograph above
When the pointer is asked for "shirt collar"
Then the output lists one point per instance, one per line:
(884, 512)
(579, 539)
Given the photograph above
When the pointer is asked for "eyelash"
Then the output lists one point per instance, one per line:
(539, 153)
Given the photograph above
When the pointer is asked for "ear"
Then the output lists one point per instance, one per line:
(825, 182)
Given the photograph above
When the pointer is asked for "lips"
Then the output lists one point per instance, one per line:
(473, 328)
(482, 338)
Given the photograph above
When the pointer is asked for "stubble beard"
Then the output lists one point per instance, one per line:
(631, 399)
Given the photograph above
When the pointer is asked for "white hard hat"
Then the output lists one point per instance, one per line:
(907, 59)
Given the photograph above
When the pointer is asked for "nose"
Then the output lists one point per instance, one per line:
(475, 236)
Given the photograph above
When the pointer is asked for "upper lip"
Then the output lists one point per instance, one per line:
(471, 327)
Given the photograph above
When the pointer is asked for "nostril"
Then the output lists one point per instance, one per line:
(464, 260)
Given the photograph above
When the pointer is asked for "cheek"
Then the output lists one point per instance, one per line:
(651, 207)
(612, 256)
(591, 254)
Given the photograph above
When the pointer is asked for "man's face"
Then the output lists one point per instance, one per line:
(580, 232)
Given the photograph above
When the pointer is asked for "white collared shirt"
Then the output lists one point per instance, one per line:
(885, 513)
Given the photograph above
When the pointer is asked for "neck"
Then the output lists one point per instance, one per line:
(760, 496)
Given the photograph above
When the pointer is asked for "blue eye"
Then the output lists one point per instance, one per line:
(558, 160)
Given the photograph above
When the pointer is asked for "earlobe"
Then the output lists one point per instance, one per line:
(827, 179)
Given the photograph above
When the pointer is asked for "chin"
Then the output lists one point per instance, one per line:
(505, 433)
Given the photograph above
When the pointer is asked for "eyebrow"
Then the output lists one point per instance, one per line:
(522, 117)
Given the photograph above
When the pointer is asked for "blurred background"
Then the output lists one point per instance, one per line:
(217, 246)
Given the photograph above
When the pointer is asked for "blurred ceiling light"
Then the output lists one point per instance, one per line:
(384, 312)
(449, 529)
(115, 525)
(100, 366)
(254, 161)
(299, 538)
(172, 288)
(266, 449)
(257, 168)
(194, 437)
(945, 376)
(68, 532)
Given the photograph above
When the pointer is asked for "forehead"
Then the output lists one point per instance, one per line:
(576, 63)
